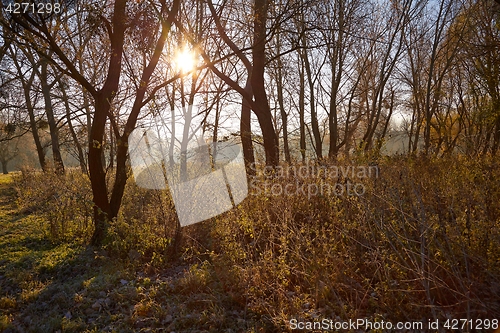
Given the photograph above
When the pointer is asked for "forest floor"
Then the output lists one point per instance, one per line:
(70, 287)
(421, 244)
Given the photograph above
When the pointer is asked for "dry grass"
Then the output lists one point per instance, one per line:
(421, 242)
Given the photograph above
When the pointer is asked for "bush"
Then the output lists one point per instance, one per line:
(64, 200)
(146, 228)
(421, 242)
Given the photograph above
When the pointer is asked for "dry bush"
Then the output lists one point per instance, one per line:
(422, 242)
(146, 229)
(64, 200)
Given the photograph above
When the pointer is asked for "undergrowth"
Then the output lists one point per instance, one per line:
(420, 242)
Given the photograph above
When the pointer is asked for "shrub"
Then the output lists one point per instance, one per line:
(64, 200)
(146, 228)
(421, 242)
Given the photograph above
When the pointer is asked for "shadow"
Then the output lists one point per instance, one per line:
(47, 299)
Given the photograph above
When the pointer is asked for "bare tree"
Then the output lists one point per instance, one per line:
(478, 54)
(118, 22)
(254, 92)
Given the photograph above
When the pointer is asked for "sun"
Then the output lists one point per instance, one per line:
(185, 60)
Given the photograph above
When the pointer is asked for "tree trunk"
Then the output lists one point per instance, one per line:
(246, 133)
(31, 111)
(103, 100)
(76, 142)
(49, 111)
(34, 132)
(333, 124)
(284, 114)
(302, 110)
(4, 167)
(102, 210)
(318, 144)
(262, 109)
(122, 141)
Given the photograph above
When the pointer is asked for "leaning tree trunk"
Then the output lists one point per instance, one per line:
(49, 111)
(246, 133)
(31, 114)
(261, 105)
(284, 114)
(102, 210)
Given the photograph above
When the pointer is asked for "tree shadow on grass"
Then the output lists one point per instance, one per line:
(51, 296)
(88, 290)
